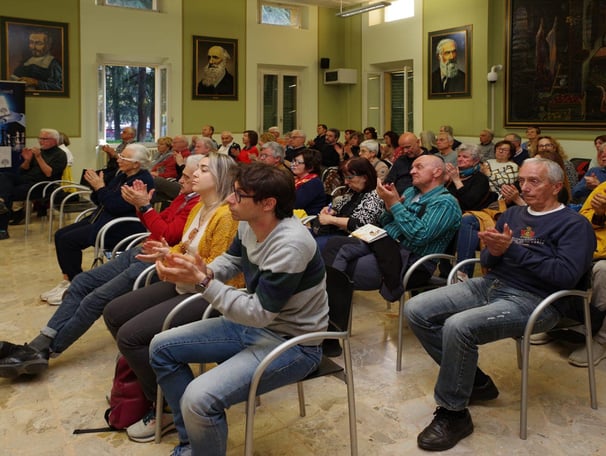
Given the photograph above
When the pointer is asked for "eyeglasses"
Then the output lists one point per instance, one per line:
(545, 146)
(503, 149)
(350, 176)
(264, 156)
(45, 139)
(127, 159)
(297, 162)
(239, 195)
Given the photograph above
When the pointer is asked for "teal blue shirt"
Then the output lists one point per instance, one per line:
(425, 224)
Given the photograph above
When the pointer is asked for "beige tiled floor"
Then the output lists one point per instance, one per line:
(38, 415)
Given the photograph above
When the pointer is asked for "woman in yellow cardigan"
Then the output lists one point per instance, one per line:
(134, 318)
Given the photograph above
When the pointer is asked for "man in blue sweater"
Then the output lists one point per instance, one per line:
(532, 252)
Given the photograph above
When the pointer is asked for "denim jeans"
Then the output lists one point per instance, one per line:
(199, 404)
(87, 296)
(468, 241)
(451, 322)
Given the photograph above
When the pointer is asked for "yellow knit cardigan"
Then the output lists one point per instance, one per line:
(218, 235)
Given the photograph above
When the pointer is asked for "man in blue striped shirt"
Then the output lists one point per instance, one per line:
(421, 221)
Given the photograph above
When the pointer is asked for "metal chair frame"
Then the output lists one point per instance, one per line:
(327, 367)
(523, 343)
(434, 282)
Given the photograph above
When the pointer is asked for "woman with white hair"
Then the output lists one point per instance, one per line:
(369, 150)
(71, 240)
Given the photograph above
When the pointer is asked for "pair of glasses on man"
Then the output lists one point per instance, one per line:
(127, 159)
(239, 195)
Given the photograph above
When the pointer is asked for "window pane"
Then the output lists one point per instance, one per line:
(270, 101)
(273, 14)
(130, 101)
(140, 4)
(289, 110)
(397, 102)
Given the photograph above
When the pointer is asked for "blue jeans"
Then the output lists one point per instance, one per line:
(199, 403)
(87, 296)
(451, 322)
(468, 241)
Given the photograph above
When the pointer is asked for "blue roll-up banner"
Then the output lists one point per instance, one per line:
(12, 125)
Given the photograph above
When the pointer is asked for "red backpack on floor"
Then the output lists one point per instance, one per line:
(127, 403)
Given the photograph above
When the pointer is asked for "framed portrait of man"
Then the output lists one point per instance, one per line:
(36, 53)
(215, 75)
(450, 63)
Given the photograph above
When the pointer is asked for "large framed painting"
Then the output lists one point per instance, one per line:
(556, 63)
(450, 63)
(36, 53)
(215, 68)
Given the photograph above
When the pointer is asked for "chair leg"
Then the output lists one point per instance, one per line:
(351, 401)
(524, 389)
(301, 395)
(400, 333)
(519, 351)
(159, 410)
(589, 348)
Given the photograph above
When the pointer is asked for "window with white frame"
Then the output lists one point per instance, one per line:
(279, 14)
(151, 5)
(399, 9)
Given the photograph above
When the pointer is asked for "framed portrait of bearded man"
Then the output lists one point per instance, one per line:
(450, 63)
(215, 68)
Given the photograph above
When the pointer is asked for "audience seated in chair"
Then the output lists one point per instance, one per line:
(309, 191)
(357, 207)
(44, 163)
(285, 297)
(399, 173)
(470, 186)
(134, 318)
(72, 239)
(594, 210)
(592, 178)
(90, 291)
(422, 221)
(533, 252)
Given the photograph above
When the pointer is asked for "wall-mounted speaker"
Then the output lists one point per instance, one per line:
(324, 63)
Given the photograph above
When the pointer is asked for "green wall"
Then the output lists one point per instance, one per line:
(340, 40)
(214, 19)
(61, 113)
(467, 115)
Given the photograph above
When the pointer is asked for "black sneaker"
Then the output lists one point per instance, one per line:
(486, 392)
(6, 348)
(18, 217)
(446, 430)
(4, 234)
(23, 359)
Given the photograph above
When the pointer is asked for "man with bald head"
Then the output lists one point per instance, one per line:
(216, 80)
(421, 221)
(399, 173)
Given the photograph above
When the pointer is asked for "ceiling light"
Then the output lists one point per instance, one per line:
(362, 9)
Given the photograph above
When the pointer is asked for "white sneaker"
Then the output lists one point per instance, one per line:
(62, 286)
(579, 356)
(57, 298)
(540, 338)
(144, 430)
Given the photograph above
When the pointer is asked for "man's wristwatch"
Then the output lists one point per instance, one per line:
(201, 286)
(144, 209)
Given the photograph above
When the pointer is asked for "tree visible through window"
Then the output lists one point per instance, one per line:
(130, 98)
(274, 14)
(139, 4)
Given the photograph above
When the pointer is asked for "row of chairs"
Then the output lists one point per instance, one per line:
(340, 292)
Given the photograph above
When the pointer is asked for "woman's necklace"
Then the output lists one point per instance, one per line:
(204, 213)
